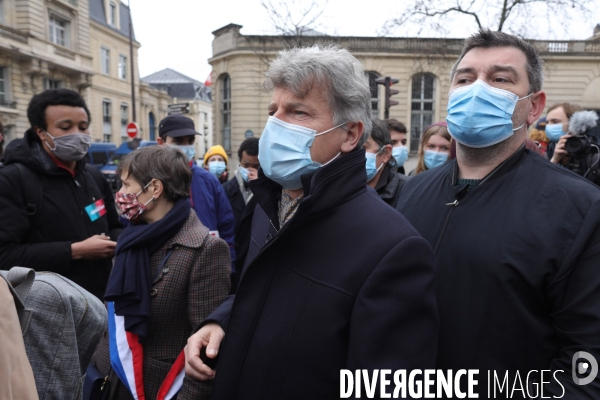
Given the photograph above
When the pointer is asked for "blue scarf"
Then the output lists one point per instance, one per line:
(130, 281)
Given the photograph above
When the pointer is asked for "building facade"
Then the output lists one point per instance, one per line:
(189, 97)
(78, 44)
(239, 62)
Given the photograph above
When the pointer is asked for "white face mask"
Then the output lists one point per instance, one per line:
(71, 147)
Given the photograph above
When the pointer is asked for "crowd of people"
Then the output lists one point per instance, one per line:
(320, 251)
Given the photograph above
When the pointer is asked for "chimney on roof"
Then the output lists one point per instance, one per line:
(597, 30)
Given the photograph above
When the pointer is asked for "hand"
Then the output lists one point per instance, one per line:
(560, 154)
(252, 174)
(93, 248)
(210, 336)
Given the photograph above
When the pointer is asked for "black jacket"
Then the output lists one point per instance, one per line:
(346, 284)
(389, 185)
(43, 242)
(518, 268)
(242, 214)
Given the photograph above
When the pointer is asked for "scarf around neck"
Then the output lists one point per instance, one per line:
(130, 281)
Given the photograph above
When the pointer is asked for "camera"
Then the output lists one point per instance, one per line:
(581, 145)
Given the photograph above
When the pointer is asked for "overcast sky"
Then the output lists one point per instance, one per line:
(177, 33)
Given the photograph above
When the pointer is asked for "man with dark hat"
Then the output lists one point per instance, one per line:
(207, 195)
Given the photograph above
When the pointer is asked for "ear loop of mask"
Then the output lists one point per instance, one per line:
(140, 192)
(48, 144)
(382, 163)
(522, 98)
(329, 130)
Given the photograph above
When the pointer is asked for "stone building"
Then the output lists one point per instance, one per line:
(188, 97)
(77, 44)
(239, 62)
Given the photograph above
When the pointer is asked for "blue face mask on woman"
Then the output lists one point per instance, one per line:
(216, 167)
(554, 132)
(479, 115)
(400, 154)
(434, 159)
(284, 152)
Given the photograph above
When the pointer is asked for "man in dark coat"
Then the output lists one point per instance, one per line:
(516, 238)
(243, 202)
(334, 278)
(53, 214)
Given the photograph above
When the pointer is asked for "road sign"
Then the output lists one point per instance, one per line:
(249, 133)
(132, 129)
(179, 108)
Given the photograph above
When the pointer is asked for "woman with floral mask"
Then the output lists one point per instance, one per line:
(215, 162)
(169, 273)
(434, 149)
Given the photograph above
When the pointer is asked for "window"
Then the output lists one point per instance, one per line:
(112, 14)
(106, 120)
(423, 90)
(3, 84)
(152, 124)
(105, 60)
(122, 67)
(124, 119)
(374, 86)
(59, 31)
(52, 84)
(226, 112)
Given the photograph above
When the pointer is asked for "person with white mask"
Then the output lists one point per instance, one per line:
(322, 288)
(515, 237)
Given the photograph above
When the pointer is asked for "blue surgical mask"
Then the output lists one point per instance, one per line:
(434, 159)
(554, 132)
(400, 154)
(479, 115)
(189, 151)
(216, 167)
(244, 173)
(371, 165)
(284, 152)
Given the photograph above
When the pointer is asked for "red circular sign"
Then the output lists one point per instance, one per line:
(132, 129)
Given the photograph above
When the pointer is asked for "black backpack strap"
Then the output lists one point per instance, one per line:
(32, 189)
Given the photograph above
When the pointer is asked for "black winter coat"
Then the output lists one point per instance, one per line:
(518, 268)
(43, 242)
(347, 283)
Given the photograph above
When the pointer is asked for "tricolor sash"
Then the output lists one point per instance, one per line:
(127, 360)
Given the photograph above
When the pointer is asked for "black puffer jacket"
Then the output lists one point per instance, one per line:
(43, 241)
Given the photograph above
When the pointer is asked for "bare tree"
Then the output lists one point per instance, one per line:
(515, 16)
(295, 19)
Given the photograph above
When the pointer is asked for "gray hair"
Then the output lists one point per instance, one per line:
(486, 38)
(339, 74)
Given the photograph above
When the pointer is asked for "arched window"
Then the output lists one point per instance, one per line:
(374, 94)
(152, 125)
(226, 112)
(422, 107)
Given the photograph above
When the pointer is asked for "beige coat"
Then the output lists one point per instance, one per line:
(16, 376)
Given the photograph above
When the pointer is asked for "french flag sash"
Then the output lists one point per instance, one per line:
(127, 360)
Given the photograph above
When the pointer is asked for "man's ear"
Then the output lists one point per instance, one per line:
(387, 153)
(353, 136)
(538, 102)
(160, 141)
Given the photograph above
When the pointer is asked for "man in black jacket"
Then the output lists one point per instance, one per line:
(53, 214)
(334, 278)
(242, 202)
(516, 238)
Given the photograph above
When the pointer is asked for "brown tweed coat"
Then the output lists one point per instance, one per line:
(192, 283)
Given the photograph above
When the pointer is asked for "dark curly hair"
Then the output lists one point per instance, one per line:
(250, 146)
(36, 111)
